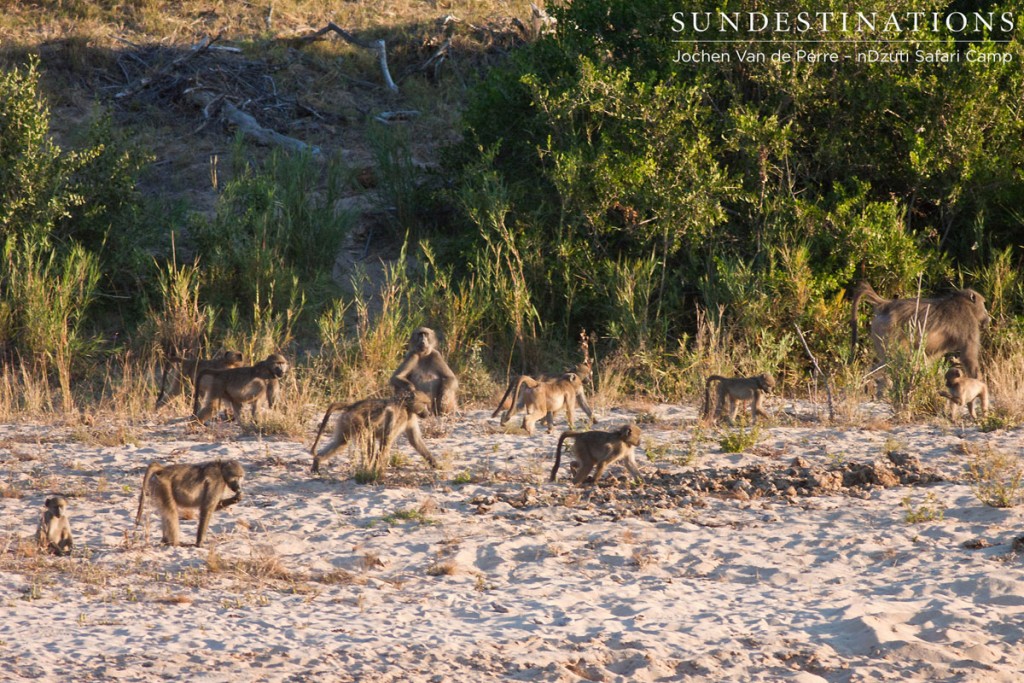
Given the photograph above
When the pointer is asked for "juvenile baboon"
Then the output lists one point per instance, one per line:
(238, 386)
(736, 390)
(54, 533)
(544, 399)
(964, 391)
(600, 449)
(950, 323)
(177, 367)
(583, 371)
(379, 421)
(424, 369)
(200, 486)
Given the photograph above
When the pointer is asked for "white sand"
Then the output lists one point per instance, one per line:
(510, 578)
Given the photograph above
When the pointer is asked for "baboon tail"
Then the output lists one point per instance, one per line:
(515, 399)
(323, 424)
(154, 468)
(863, 290)
(558, 453)
(508, 391)
(707, 394)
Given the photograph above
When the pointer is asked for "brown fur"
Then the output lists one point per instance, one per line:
(54, 532)
(737, 390)
(201, 487)
(543, 399)
(177, 368)
(239, 386)
(598, 449)
(424, 369)
(583, 371)
(381, 420)
(951, 323)
(964, 391)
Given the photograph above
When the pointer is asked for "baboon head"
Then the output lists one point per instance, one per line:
(277, 364)
(954, 373)
(417, 402)
(978, 309)
(56, 505)
(233, 474)
(232, 358)
(765, 383)
(422, 341)
(629, 433)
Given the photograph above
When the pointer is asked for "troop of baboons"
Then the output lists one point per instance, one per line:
(425, 385)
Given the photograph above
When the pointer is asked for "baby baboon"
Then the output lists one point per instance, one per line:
(950, 323)
(177, 367)
(543, 399)
(379, 421)
(964, 391)
(54, 533)
(583, 371)
(238, 386)
(424, 369)
(199, 487)
(737, 390)
(600, 449)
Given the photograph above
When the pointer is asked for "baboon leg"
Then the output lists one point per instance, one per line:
(582, 472)
(734, 406)
(236, 410)
(339, 441)
(631, 465)
(413, 435)
(599, 470)
(168, 512)
(530, 419)
(568, 415)
(984, 400)
(719, 410)
(207, 505)
(550, 420)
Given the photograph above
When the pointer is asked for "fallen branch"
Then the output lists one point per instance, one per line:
(377, 45)
(208, 101)
(817, 370)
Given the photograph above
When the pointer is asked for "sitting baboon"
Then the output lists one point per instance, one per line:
(600, 449)
(544, 399)
(424, 369)
(238, 386)
(200, 486)
(583, 371)
(737, 390)
(949, 324)
(54, 532)
(964, 391)
(379, 421)
(177, 368)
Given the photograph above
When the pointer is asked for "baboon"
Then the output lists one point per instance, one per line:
(379, 421)
(200, 486)
(964, 391)
(544, 399)
(238, 386)
(424, 369)
(950, 323)
(600, 449)
(54, 533)
(737, 390)
(583, 371)
(191, 367)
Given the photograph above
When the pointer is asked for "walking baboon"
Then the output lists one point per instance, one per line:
(950, 323)
(54, 533)
(964, 391)
(583, 371)
(238, 386)
(379, 421)
(600, 449)
(177, 368)
(544, 399)
(200, 486)
(424, 369)
(736, 390)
